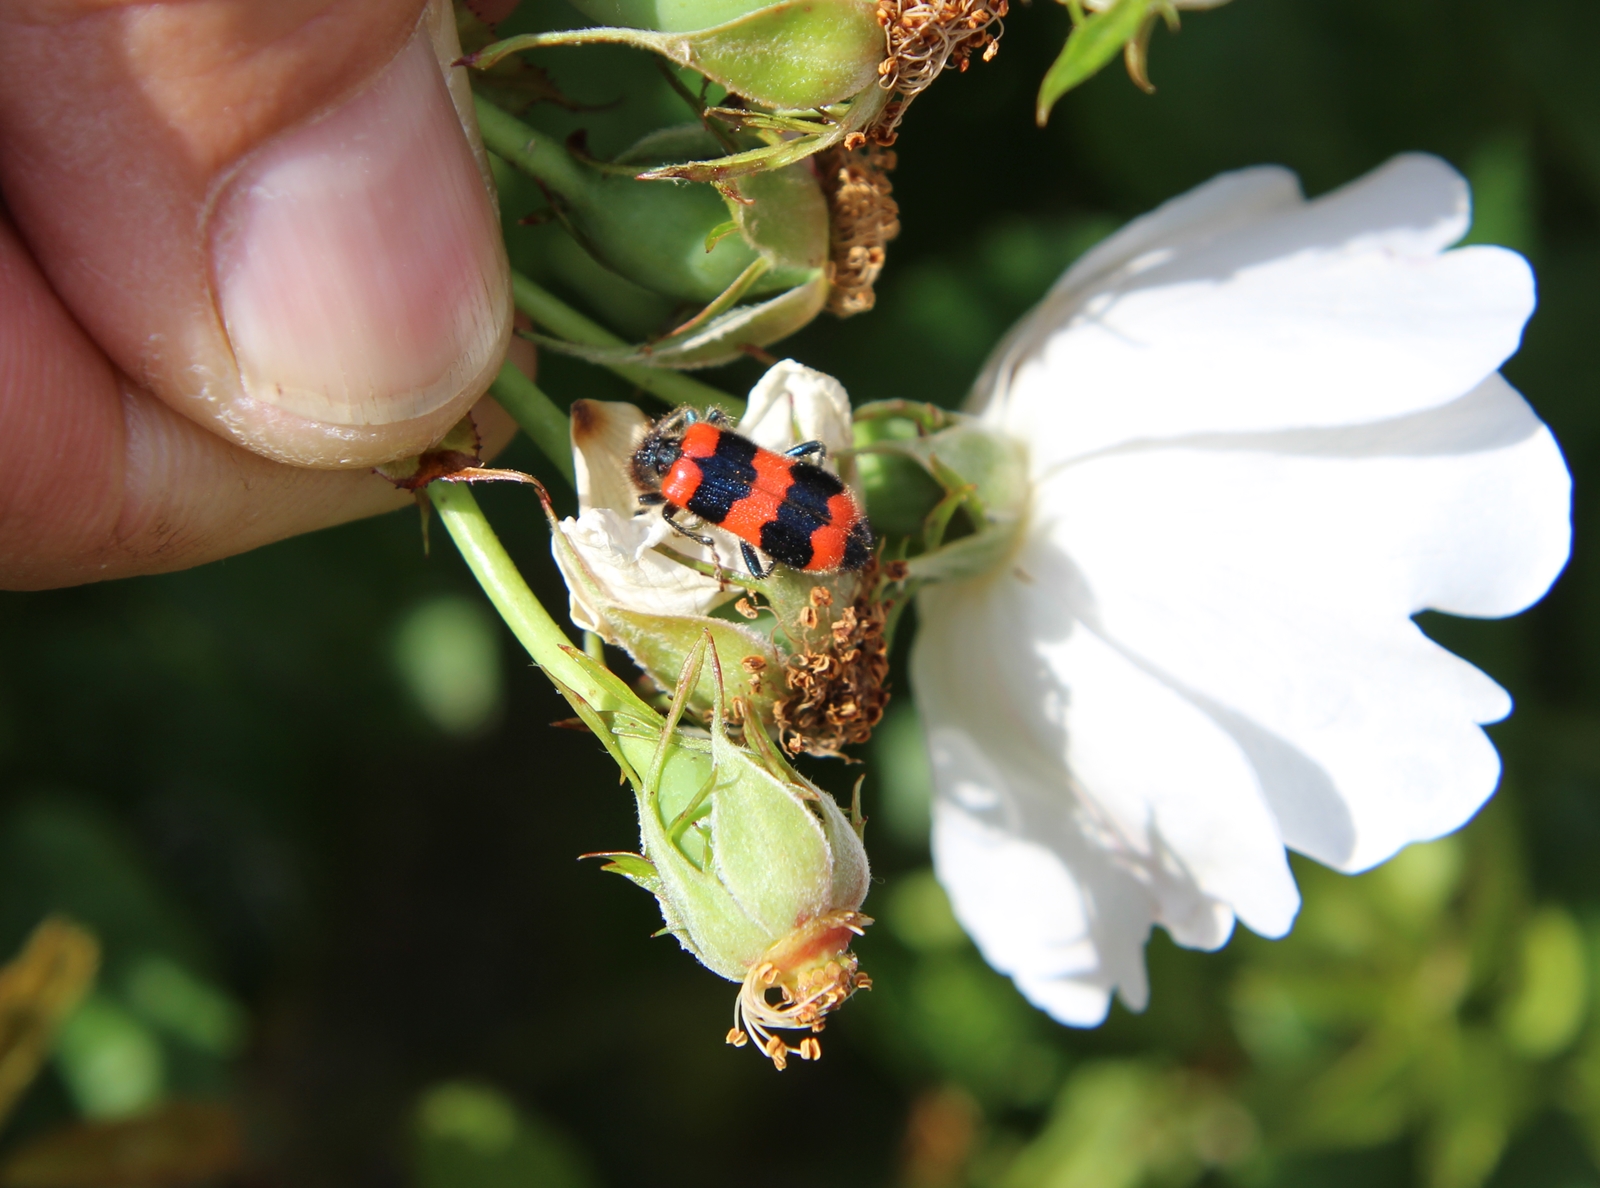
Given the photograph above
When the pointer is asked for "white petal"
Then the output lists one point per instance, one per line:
(1226, 202)
(1080, 798)
(1271, 579)
(1199, 319)
(619, 553)
(604, 435)
(792, 403)
(1021, 903)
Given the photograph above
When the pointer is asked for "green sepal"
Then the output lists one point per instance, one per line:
(695, 906)
(850, 874)
(971, 556)
(600, 724)
(862, 111)
(768, 847)
(628, 702)
(966, 453)
(660, 644)
(722, 339)
(667, 16)
(795, 54)
(783, 215)
(1093, 42)
(515, 86)
(720, 232)
(634, 867)
(625, 716)
(898, 490)
(980, 471)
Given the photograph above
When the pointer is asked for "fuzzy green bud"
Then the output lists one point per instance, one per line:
(684, 241)
(758, 872)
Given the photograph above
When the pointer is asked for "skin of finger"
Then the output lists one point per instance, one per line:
(99, 479)
(118, 124)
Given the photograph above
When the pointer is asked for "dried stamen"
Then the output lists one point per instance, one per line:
(838, 680)
(813, 972)
(922, 37)
(862, 219)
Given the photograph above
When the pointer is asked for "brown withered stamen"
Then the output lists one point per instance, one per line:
(862, 219)
(922, 37)
(839, 682)
(754, 666)
(814, 972)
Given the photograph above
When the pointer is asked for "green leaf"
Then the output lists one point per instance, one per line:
(1092, 43)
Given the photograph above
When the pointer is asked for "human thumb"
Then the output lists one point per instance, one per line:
(275, 217)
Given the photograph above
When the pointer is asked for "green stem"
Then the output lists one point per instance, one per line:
(498, 575)
(556, 316)
(544, 159)
(538, 416)
(540, 157)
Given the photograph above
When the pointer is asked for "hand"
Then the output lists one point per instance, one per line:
(248, 249)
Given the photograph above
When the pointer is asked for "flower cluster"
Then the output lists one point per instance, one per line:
(1202, 491)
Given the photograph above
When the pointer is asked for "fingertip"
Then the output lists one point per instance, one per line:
(360, 274)
(275, 218)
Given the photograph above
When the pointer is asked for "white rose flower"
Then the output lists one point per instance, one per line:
(1263, 433)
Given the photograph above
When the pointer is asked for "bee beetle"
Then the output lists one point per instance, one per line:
(797, 513)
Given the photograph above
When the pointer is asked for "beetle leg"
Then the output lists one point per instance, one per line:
(752, 561)
(806, 448)
(682, 531)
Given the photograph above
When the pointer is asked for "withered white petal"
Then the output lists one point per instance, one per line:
(604, 435)
(792, 403)
(1264, 433)
(625, 570)
(617, 545)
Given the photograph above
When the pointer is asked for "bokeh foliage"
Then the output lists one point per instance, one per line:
(308, 802)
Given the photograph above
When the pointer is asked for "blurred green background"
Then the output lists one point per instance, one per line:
(309, 801)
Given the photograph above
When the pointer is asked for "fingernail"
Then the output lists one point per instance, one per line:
(357, 260)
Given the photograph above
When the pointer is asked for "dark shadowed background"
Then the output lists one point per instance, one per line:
(309, 801)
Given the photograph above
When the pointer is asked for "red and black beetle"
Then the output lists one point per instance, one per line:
(796, 513)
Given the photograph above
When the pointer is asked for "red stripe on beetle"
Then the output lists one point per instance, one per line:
(827, 547)
(774, 477)
(828, 541)
(682, 481)
(842, 510)
(700, 439)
